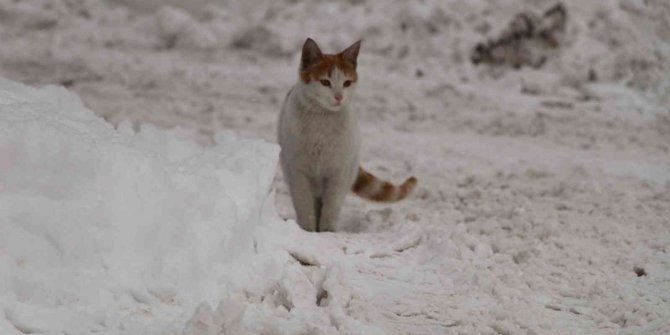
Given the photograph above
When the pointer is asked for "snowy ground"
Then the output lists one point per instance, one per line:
(543, 194)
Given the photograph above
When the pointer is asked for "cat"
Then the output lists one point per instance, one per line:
(319, 139)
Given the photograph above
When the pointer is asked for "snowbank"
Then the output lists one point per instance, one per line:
(111, 229)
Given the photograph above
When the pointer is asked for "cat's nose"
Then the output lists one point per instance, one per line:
(338, 97)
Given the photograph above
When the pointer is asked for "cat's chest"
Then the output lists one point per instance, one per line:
(323, 129)
(325, 137)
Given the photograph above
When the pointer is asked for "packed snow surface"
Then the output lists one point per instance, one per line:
(143, 198)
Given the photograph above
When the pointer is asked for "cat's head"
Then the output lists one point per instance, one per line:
(329, 79)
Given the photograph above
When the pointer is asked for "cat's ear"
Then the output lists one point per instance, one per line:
(350, 54)
(310, 54)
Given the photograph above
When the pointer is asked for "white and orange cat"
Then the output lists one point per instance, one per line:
(320, 140)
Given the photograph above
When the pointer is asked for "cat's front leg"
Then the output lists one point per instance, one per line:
(304, 201)
(335, 190)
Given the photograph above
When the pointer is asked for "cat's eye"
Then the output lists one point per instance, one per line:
(325, 82)
(347, 83)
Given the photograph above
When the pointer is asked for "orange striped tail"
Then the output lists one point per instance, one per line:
(369, 187)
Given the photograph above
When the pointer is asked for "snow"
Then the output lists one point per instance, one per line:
(99, 222)
(542, 192)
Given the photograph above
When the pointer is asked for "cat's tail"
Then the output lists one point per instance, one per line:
(369, 187)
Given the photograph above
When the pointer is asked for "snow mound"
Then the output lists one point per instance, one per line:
(104, 228)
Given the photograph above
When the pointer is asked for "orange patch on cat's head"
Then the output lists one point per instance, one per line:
(314, 65)
(325, 66)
